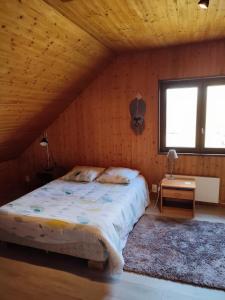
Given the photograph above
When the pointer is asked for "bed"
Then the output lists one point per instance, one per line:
(86, 220)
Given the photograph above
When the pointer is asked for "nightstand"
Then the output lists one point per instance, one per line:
(178, 193)
(45, 176)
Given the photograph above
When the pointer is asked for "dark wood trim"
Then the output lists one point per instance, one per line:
(200, 118)
(207, 203)
(202, 84)
(192, 153)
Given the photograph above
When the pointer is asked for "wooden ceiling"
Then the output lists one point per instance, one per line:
(51, 49)
(140, 24)
(45, 60)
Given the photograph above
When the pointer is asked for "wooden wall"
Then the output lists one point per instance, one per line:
(95, 128)
(12, 184)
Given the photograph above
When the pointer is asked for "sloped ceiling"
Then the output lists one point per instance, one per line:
(51, 49)
(45, 60)
(140, 24)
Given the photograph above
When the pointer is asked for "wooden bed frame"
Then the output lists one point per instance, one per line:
(92, 264)
(97, 265)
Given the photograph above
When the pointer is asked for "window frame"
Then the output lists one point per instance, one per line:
(201, 83)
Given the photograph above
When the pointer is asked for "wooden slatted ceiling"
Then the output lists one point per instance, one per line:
(139, 24)
(45, 60)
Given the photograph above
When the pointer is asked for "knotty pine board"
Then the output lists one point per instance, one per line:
(45, 61)
(95, 128)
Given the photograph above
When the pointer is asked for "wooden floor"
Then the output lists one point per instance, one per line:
(33, 274)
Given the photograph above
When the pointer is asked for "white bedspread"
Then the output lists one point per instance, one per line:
(62, 211)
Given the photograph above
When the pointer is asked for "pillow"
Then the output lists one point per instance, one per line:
(118, 175)
(83, 174)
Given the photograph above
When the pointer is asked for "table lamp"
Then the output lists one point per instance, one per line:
(171, 156)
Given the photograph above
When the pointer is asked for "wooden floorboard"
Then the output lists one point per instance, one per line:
(27, 273)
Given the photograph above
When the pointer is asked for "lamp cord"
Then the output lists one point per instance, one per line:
(157, 199)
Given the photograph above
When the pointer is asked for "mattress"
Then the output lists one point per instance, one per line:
(87, 220)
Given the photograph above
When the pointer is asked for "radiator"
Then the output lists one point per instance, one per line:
(207, 188)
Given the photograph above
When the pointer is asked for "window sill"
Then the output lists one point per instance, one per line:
(194, 154)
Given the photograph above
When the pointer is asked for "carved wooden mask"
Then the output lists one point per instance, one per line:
(137, 112)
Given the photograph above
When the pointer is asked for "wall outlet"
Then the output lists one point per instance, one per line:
(154, 188)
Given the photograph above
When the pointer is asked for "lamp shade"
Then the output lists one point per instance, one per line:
(203, 4)
(44, 142)
(172, 154)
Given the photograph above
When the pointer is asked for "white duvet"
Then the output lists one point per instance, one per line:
(68, 213)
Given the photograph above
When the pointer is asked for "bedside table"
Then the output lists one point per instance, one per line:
(45, 176)
(178, 193)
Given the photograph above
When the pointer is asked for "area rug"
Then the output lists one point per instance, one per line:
(180, 250)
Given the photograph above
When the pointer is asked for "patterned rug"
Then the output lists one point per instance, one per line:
(180, 250)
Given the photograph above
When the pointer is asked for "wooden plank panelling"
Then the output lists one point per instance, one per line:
(11, 182)
(45, 61)
(95, 129)
(129, 24)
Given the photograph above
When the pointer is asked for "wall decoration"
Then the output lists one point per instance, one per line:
(137, 112)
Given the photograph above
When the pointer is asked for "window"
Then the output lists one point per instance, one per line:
(215, 117)
(181, 117)
(192, 115)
